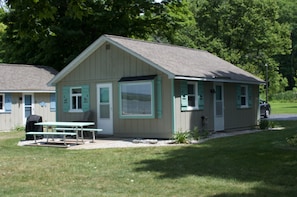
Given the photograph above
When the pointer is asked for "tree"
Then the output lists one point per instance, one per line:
(53, 32)
(288, 62)
(244, 32)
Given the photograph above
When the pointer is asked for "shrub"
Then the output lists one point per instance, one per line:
(196, 134)
(181, 137)
(264, 124)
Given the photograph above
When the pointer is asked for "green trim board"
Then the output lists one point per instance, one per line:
(173, 105)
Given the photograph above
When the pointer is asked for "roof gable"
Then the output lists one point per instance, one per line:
(25, 78)
(175, 61)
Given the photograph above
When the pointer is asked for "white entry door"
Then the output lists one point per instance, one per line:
(104, 108)
(28, 106)
(219, 107)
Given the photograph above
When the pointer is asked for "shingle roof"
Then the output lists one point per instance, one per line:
(186, 62)
(177, 62)
(25, 78)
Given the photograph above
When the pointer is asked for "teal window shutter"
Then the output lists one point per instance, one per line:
(201, 95)
(85, 98)
(8, 102)
(184, 95)
(238, 94)
(52, 102)
(250, 96)
(159, 97)
(66, 98)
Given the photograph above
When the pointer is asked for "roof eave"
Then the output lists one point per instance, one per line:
(222, 80)
(27, 91)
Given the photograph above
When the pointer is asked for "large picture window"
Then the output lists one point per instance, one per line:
(136, 99)
(2, 103)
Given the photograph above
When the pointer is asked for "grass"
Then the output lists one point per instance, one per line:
(259, 164)
(283, 108)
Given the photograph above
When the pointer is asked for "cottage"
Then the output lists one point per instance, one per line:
(24, 91)
(135, 88)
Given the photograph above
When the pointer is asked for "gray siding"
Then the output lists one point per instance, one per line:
(188, 120)
(108, 66)
(237, 117)
(234, 118)
(15, 118)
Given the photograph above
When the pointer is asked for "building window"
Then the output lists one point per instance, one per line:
(2, 103)
(192, 95)
(76, 99)
(244, 96)
(137, 99)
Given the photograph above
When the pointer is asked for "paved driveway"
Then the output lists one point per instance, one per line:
(282, 117)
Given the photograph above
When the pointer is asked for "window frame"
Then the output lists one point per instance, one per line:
(152, 97)
(3, 103)
(195, 94)
(244, 96)
(76, 95)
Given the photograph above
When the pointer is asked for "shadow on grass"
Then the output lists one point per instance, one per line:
(247, 158)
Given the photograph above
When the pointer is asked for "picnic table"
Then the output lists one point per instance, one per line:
(65, 126)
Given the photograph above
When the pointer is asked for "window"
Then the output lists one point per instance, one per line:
(243, 96)
(192, 95)
(52, 102)
(2, 109)
(76, 99)
(136, 99)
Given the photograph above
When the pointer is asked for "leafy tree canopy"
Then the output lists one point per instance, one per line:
(244, 32)
(53, 32)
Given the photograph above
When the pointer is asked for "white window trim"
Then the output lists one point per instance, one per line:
(71, 97)
(3, 104)
(246, 96)
(137, 116)
(196, 96)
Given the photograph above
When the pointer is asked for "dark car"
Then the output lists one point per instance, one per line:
(265, 109)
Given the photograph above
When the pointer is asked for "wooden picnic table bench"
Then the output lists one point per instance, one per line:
(63, 134)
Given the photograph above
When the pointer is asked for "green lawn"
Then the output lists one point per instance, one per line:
(283, 108)
(260, 164)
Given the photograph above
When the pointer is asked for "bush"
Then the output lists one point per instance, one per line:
(288, 96)
(181, 137)
(264, 124)
(196, 134)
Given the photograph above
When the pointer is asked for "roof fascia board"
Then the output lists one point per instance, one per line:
(79, 59)
(217, 80)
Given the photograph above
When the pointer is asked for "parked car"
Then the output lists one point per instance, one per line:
(265, 109)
